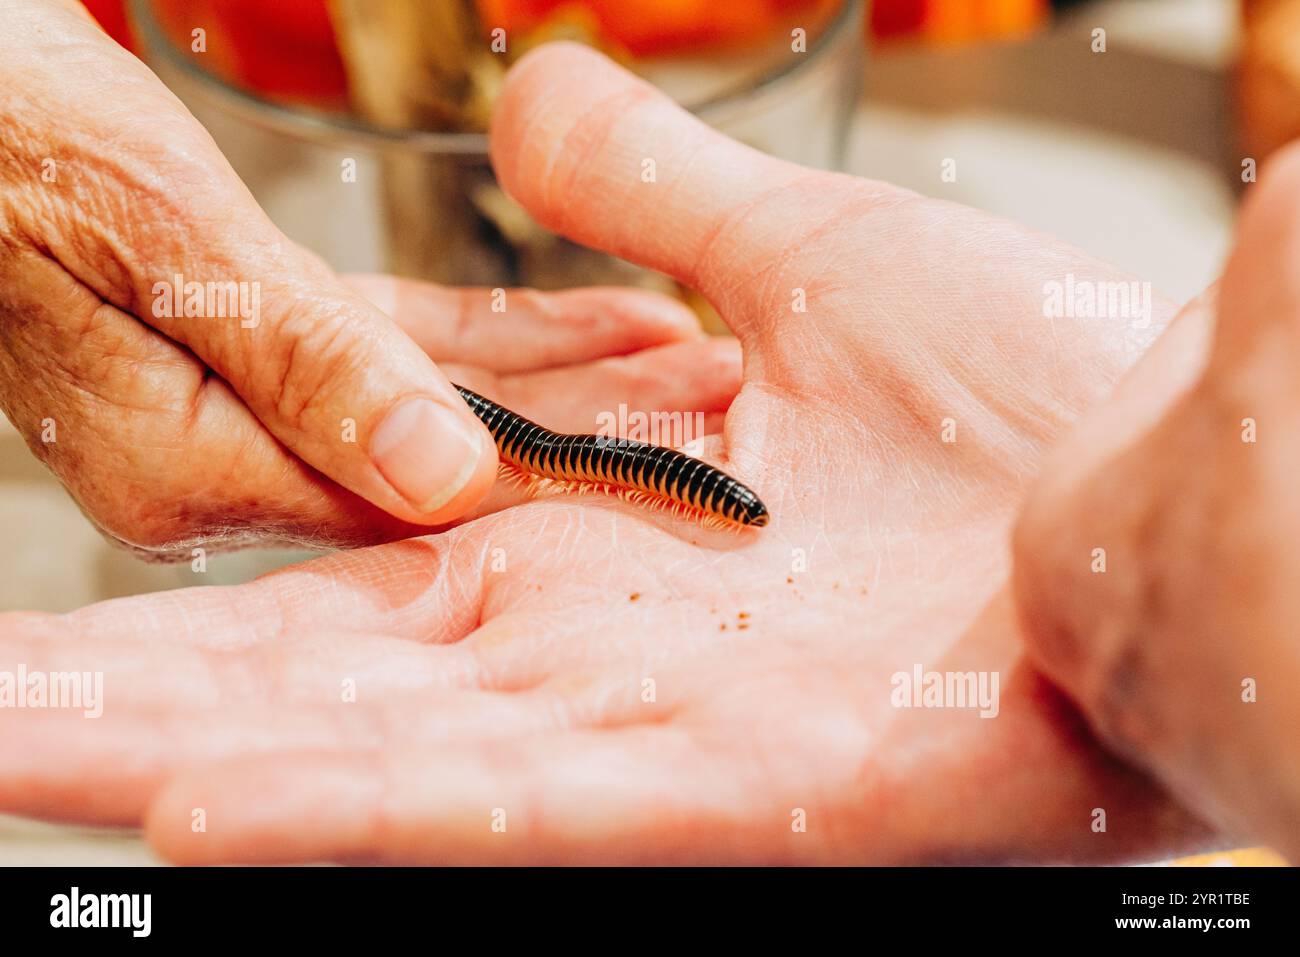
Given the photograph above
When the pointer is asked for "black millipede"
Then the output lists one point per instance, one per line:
(636, 470)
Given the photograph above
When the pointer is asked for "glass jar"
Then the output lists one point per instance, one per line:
(425, 204)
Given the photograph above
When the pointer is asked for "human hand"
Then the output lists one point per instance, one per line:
(268, 423)
(624, 686)
(1181, 649)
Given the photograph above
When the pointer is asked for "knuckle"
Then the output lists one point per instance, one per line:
(312, 355)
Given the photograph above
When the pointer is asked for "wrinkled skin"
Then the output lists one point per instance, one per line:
(172, 432)
(504, 664)
(1183, 655)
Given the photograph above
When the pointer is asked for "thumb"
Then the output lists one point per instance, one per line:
(601, 156)
(333, 379)
(1155, 559)
(1082, 540)
(1131, 466)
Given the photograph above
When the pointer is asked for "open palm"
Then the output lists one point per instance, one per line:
(579, 679)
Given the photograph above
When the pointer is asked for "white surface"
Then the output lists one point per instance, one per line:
(1158, 214)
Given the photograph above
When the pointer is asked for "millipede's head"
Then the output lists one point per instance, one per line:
(753, 513)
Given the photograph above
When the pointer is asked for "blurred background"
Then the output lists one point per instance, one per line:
(358, 124)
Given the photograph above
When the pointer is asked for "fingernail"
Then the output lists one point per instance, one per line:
(426, 452)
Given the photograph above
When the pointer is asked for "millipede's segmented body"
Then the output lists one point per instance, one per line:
(658, 474)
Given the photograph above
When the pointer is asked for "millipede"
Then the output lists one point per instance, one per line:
(637, 471)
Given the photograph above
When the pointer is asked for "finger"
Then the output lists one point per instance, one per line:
(1136, 511)
(520, 330)
(1077, 506)
(631, 795)
(429, 590)
(1113, 594)
(169, 234)
(683, 380)
(185, 672)
(1259, 308)
(604, 158)
(60, 764)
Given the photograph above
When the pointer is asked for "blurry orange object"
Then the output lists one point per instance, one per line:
(1268, 76)
(951, 21)
(111, 15)
(649, 27)
(285, 49)
(1246, 857)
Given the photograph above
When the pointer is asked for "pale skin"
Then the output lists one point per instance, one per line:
(623, 686)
